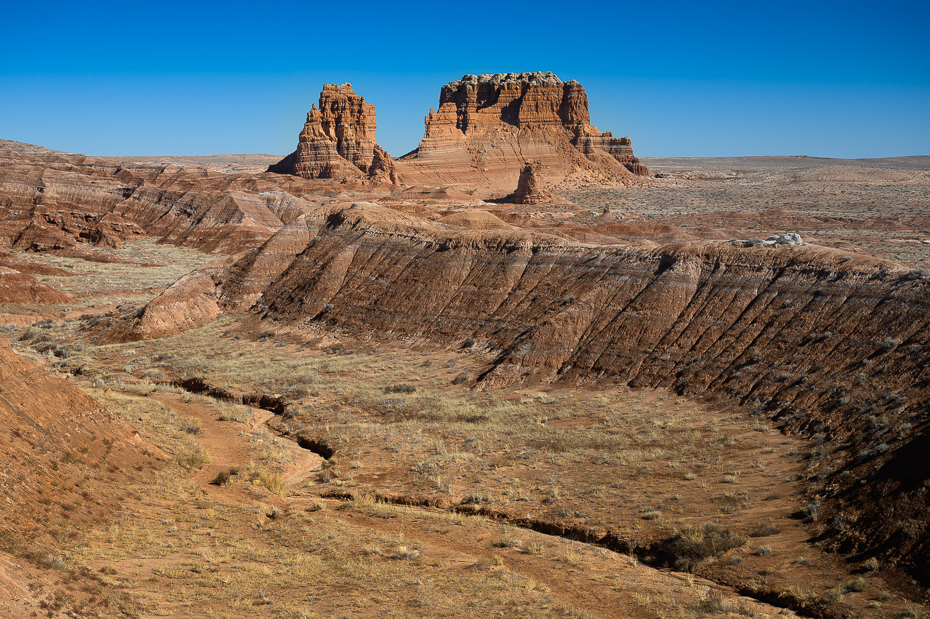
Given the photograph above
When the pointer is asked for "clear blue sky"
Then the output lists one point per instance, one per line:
(831, 79)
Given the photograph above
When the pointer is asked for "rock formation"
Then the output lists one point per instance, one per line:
(531, 186)
(488, 126)
(338, 141)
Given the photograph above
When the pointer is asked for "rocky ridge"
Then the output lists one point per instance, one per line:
(338, 141)
(59, 202)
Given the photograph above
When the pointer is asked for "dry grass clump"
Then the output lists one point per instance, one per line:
(260, 476)
(693, 543)
(194, 457)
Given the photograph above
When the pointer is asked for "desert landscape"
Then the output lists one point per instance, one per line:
(517, 372)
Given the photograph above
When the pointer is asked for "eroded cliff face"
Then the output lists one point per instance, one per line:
(488, 126)
(827, 345)
(338, 141)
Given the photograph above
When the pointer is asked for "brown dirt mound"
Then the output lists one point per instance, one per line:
(187, 304)
(475, 220)
(53, 436)
(16, 287)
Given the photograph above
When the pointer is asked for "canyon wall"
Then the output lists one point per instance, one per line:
(338, 141)
(488, 126)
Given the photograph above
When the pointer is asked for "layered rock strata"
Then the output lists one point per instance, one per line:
(338, 141)
(488, 126)
(53, 201)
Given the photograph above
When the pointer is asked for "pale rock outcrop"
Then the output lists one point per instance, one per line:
(338, 141)
(789, 238)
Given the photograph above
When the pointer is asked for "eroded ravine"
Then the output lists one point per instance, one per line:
(570, 584)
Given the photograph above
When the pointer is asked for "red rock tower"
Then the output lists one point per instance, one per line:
(338, 141)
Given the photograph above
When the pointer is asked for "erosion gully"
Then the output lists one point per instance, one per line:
(277, 405)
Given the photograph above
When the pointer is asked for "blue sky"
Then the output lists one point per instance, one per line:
(830, 79)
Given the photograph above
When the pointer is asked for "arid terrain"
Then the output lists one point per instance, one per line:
(350, 390)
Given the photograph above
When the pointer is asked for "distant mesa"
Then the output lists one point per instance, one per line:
(486, 128)
(338, 142)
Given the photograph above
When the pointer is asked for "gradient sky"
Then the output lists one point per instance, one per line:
(830, 79)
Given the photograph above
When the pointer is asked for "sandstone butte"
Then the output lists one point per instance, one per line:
(338, 141)
(486, 129)
(488, 126)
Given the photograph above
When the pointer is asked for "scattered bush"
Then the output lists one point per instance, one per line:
(400, 388)
(223, 478)
(856, 584)
(764, 529)
(405, 553)
(694, 543)
(874, 451)
(271, 481)
(191, 425)
(910, 527)
(889, 343)
(811, 511)
(196, 458)
(831, 597)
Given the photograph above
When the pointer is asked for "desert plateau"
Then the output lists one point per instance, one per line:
(518, 371)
